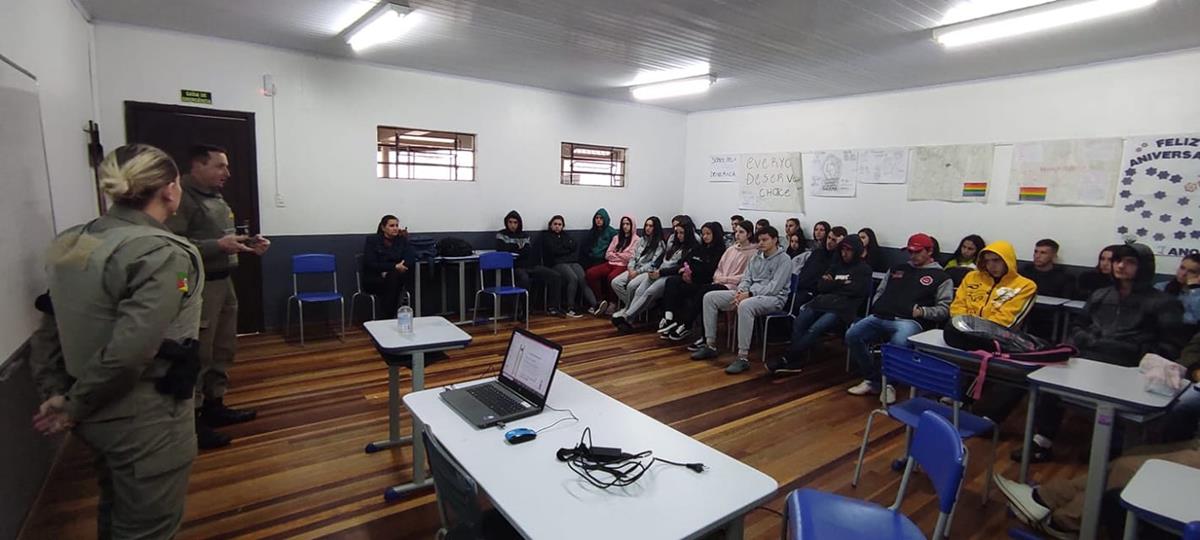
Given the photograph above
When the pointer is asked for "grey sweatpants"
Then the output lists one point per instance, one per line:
(626, 288)
(646, 296)
(749, 310)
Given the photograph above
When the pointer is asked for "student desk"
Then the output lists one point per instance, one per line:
(1109, 389)
(1162, 492)
(933, 342)
(543, 498)
(430, 334)
(1054, 304)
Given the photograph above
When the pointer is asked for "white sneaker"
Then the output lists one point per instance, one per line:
(618, 313)
(862, 389)
(889, 394)
(666, 328)
(1020, 499)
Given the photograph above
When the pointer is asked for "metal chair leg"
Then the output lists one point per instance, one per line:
(987, 480)
(862, 450)
(342, 312)
(287, 318)
(374, 312)
(300, 311)
(527, 311)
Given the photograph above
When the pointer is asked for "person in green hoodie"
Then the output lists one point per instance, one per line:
(591, 251)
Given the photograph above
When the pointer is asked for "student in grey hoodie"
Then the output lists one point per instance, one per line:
(764, 289)
(647, 255)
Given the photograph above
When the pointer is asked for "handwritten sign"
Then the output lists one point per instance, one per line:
(723, 168)
(771, 182)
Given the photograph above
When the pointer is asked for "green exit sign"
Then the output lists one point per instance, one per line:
(195, 96)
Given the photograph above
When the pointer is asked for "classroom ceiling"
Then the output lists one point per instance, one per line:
(762, 51)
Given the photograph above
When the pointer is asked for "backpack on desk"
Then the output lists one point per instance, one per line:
(451, 246)
(425, 248)
(989, 340)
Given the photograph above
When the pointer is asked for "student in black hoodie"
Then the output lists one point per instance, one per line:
(1096, 278)
(513, 239)
(841, 291)
(813, 264)
(560, 253)
(388, 264)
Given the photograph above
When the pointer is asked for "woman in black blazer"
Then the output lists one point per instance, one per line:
(389, 264)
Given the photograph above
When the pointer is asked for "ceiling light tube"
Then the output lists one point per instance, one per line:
(678, 87)
(426, 139)
(381, 24)
(1032, 19)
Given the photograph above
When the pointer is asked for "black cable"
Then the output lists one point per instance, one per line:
(776, 512)
(560, 420)
(608, 467)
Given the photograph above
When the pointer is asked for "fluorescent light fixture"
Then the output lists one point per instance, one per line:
(969, 10)
(592, 152)
(1032, 19)
(426, 139)
(680, 87)
(383, 23)
(646, 76)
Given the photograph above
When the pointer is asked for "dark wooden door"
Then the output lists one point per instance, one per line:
(174, 129)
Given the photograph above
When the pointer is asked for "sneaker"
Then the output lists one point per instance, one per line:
(696, 345)
(679, 333)
(1021, 501)
(574, 314)
(554, 312)
(665, 326)
(619, 313)
(862, 389)
(1037, 453)
(782, 366)
(623, 326)
(600, 309)
(704, 353)
(889, 395)
(738, 366)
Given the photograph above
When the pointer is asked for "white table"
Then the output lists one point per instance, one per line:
(543, 498)
(1161, 492)
(1067, 309)
(1055, 304)
(1109, 389)
(430, 334)
(462, 281)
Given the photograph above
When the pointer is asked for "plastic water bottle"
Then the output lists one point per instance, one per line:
(404, 317)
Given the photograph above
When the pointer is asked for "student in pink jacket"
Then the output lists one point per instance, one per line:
(600, 276)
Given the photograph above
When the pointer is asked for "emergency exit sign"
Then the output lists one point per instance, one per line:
(195, 96)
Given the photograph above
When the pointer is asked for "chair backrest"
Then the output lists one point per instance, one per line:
(1191, 531)
(457, 493)
(313, 263)
(496, 260)
(792, 305)
(921, 371)
(938, 448)
(358, 269)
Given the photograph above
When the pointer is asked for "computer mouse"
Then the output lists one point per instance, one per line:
(519, 435)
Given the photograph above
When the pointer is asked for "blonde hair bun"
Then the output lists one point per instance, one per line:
(131, 174)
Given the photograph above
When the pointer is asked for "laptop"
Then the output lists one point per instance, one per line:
(519, 391)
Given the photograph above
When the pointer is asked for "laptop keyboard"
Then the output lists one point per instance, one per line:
(500, 403)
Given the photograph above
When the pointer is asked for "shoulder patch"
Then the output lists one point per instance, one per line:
(181, 282)
(926, 280)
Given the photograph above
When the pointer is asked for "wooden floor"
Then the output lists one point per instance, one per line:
(299, 470)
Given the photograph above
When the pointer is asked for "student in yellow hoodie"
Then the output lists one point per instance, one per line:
(994, 290)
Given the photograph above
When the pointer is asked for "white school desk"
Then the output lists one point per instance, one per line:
(1161, 492)
(462, 281)
(543, 498)
(430, 334)
(1054, 304)
(933, 342)
(1109, 389)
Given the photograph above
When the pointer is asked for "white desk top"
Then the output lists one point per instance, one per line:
(1165, 489)
(543, 498)
(1044, 300)
(934, 338)
(429, 334)
(878, 275)
(1121, 386)
(1074, 304)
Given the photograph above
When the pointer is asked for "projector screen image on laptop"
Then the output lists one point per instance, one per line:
(530, 364)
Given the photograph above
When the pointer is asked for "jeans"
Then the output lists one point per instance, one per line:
(810, 324)
(527, 276)
(573, 277)
(683, 299)
(875, 330)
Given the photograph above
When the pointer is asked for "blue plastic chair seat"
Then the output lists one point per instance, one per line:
(819, 515)
(909, 414)
(504, 290)
(318, 296)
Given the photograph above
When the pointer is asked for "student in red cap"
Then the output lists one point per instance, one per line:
(912, 297)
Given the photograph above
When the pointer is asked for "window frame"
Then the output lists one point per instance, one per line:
(568, 153)
(388, 162)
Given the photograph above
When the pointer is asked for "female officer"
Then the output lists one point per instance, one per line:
(127, 303)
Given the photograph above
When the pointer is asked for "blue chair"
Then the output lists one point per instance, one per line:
(307, 264)
(358, 290)
(1192, 531)
(936, 447)
(931, 376)
(499, 261)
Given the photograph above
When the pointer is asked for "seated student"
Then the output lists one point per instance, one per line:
(1186, 287)
(1183, 420)
(796, 244)
(760, 224)
(646, 257)
(811, 265)
(1052, 280)
(820, 230)
(1120, 325)
(695, 274)
(912, 297)
(763, 290)
(388, 264)
(968, 249)
(994, 290)
(616, 261)
(872, 252)
(527, 267)
(733, 225)
(790, 227)
(560, 254)
(592, 250)
(731, 268)
(683, 241)
(1096, 278)
(841, 291)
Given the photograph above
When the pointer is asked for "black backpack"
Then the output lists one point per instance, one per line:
(425, 248)
(451, 246)
(989, 340)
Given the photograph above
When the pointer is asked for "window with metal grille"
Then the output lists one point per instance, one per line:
(421, 154)
(592, 165)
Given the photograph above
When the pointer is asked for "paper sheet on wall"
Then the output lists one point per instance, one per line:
(1081, 172)
(723, 168)
(1158, 196)
(883, 166)
(956, 173)
(771, 182)
(831, 174)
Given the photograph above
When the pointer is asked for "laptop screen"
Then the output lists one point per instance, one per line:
(530, 364)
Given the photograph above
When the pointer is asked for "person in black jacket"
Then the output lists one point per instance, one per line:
(560, 253)
(526, 262)
(695, 274)
(388, 264)
(1052, 280)
(873, 252)
(1096, 278)
(841, 291)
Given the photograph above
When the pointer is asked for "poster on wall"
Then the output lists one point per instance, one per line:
(723, 168)
(883, 166)
(1080, 172)
(831, 174)
(771, 182)
(955, 173)
(1158, 196)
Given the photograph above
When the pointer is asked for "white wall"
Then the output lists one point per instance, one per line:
(52, 40)
(327, 114)
(1156, 95)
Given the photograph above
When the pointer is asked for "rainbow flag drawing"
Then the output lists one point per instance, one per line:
(1032, 194)
(975, 189)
